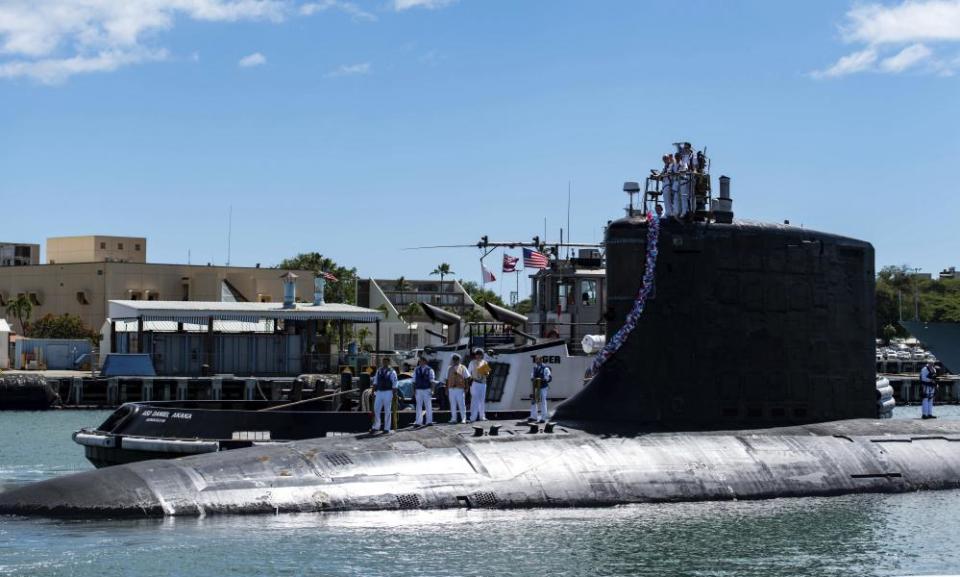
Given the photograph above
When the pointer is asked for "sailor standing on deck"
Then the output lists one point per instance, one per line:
(423, 378)
(666, 185)
(479, 369)
(457, 380)
(540, 378)
(384, 383)
(928, 380)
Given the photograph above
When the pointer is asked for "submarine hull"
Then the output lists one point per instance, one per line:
(448, 467)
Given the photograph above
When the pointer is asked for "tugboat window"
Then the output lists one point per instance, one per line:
(588, 292)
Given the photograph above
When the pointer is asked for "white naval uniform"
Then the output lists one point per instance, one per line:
(666, 188)
(478, 392)
(682, 187)
(456, 395)
(423, 397)
(383, 399)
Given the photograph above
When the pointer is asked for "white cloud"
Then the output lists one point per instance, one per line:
(354, 11)
(856, 62)
(896, 38)
(350, 70)
(401, 5)
(251, 60)
(911, 21)
(58, 70)
(906, 58)
(51, 40)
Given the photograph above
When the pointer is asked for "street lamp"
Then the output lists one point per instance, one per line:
(412, 327)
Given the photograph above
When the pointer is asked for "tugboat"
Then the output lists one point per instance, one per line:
(705, 390)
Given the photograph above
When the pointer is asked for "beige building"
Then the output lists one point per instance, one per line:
(96, 248)
(405, 326)
(84, 289)
(19, 254)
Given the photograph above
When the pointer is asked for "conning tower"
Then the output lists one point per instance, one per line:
(749, 325)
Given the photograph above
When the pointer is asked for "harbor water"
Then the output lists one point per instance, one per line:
(909, 534)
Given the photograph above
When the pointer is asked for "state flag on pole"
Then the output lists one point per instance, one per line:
(510, 263)
(328, 276)
(487, 276)
(534, 259)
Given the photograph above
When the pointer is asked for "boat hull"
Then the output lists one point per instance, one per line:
(447, 467)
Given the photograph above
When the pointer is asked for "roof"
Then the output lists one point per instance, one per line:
(130, 326)
(199, 312)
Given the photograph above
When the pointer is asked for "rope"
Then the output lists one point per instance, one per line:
(649, 275)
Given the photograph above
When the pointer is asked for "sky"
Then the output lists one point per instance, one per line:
(358, 129)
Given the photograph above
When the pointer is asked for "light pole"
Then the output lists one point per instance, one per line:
(412, 327)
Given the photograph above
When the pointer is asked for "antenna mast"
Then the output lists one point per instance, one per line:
(229, 233)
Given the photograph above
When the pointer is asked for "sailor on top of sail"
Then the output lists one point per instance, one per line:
(666, 185)
(385, 381)
(423, 378)
(541, 378)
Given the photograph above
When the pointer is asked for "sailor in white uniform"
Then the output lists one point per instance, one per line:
(479, 370)
(423, 379)
(666, 186)
(384, 383)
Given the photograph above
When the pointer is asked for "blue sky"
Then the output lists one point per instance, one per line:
(357, 129)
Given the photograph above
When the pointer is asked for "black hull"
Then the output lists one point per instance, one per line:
(26, 393)
(171, 429)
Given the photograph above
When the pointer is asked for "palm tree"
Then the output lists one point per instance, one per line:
(443, 269)
(402, 286)
(22, 308)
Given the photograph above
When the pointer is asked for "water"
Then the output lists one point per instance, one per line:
(911, 534)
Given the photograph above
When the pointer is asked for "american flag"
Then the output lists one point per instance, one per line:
(328, 276)
(534, 259)
(510, 263)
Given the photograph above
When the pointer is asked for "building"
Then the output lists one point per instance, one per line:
(84, 289)
(949, 273)
(96, 248)
(19, 254)
(405, 326)
(241, 338)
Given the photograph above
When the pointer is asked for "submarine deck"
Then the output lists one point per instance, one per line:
(447, 467)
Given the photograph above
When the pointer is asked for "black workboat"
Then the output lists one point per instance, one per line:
(170, 429)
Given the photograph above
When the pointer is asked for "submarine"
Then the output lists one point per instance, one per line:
(739, 365)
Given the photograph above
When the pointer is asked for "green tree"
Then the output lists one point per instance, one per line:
(481, 295)
(342, 291)
(402, 286)
(64, 326)
(524, 307)
(443, 269)
(21, 308)
(411, 312)
(896, 290)
(362, 334)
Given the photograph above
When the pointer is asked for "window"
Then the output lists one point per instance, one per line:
(496, 381)
(119, 246)
(82, 298)
(135, 296)
(588, 292)
(103, 246)
(136, 247)
(153, 296)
